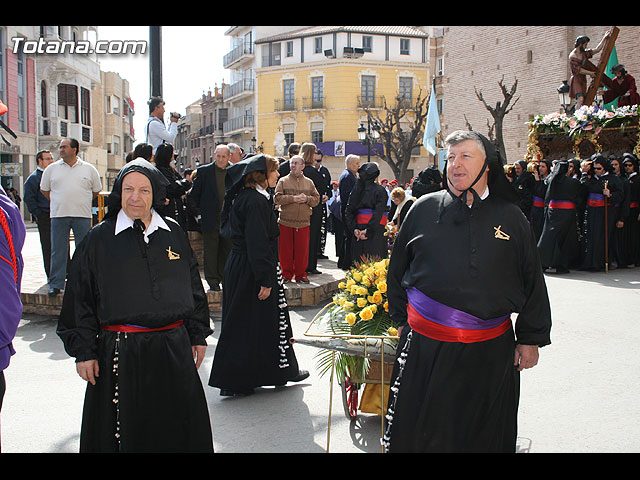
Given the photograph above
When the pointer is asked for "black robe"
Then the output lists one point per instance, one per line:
(524, 185)
(463, 397)
(559, 240)
(618, 247)
(594, 229)
(630, 244)
(537, 207)
(120, 280)
(374, 197)
(254, 347)
(176, 190)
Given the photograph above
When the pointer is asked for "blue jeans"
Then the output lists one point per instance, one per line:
(60, 228)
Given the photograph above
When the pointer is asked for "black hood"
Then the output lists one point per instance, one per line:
(234, 183)
(236, 172)
(368, 172)
(497, 181)
(430, 175)
(158, 184)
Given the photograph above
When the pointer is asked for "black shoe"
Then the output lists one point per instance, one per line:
(232, 393)
(323, 257)
(315, 271)
(302, 374)
(53, 291)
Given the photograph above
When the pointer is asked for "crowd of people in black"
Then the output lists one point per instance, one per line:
(565, 203)
(582, 215)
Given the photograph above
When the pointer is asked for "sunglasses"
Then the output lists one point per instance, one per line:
(628, 165)
(597, 168)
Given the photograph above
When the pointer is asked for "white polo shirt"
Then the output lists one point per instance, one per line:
(71, 189)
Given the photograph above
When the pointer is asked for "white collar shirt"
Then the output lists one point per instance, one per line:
(123, 222)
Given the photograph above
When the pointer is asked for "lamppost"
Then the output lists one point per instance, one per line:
(563, 96)
(369, 135)
(155, 61)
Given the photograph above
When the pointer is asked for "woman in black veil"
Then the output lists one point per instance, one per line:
(254, 348)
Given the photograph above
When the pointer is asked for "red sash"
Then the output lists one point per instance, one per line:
(138, 329)
(562, 205)
(596, 200)
(363, 216)
(443, 333)
(7, 231)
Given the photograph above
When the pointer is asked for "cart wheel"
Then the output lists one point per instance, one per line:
(350, 398)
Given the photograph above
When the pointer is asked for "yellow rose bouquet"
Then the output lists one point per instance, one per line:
(359, 309)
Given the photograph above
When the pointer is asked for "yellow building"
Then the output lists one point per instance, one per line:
(312, 86)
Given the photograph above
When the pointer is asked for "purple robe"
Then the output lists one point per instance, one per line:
(11, 310)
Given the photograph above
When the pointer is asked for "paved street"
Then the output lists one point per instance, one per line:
(582, 396)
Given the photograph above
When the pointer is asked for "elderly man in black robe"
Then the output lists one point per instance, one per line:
(136, 318)
(463, 262)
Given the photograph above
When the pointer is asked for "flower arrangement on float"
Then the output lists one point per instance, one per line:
(359, 310)
(585, 120)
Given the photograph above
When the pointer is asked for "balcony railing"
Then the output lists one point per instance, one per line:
(285, 105)
(311, 103)
(365, 101)
(245, 85)
(236, 53)
(237, 123)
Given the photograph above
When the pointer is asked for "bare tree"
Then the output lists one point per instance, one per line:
(401, 132)
(498, 113)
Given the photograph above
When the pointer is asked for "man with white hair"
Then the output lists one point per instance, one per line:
(208, 195)
(236, 153)
(345, 184)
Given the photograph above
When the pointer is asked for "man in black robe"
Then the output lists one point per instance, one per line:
(463, 262)
(631, 229)
(599, 227)
(540, 175)
(559, 240)
(136, 318)
(524, 184)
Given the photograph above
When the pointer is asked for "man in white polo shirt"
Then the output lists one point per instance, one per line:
(70, 184)
(157, 133)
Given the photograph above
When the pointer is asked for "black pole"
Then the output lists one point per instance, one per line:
(368, 139)
(155, 61)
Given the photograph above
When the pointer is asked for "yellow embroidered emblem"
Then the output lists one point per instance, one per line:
(172, 255)
(500, 234)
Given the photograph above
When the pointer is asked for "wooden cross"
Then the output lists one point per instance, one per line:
(602, 65)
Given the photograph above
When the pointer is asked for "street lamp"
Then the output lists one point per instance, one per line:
(369, 135)
(563, 95)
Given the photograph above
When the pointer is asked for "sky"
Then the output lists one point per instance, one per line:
(191, 64)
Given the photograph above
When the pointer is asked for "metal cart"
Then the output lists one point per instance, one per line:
(377, 350)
